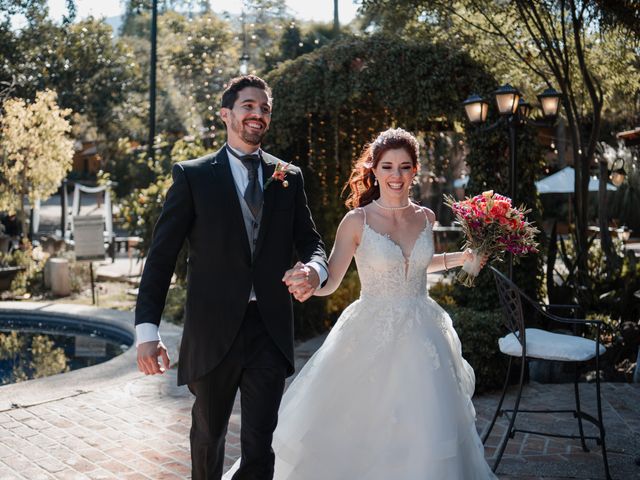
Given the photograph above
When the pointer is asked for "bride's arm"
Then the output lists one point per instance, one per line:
(347, 240)
(448, 260)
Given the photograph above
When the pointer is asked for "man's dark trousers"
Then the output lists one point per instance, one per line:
(256, 366)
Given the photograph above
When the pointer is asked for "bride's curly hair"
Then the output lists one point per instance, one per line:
(361, 181)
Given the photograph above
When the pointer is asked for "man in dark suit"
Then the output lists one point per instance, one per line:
(242, 224)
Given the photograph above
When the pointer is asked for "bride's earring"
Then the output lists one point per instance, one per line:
(375, 181)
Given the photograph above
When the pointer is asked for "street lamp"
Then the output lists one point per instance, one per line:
(549, 102)
(476, 109)
(507, 99)
(244, 58)
(514, 111)
(244, 63)
(152, 80)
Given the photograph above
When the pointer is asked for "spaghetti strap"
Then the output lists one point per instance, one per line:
(364, 220)
(426, 217)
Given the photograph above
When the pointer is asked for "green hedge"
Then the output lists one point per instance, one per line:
(479, 331)
(329, 103)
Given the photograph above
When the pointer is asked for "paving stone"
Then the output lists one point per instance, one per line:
(139, 428)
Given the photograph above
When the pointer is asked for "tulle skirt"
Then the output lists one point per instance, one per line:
(387, 396)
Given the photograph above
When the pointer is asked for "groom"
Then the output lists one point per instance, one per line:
(243, 225)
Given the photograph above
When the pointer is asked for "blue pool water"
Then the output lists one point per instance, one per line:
(40, 344)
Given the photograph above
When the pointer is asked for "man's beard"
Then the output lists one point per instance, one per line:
(246, 136)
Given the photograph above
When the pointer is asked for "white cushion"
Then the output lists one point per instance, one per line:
(551, 346)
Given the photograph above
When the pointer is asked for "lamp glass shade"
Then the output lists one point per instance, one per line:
(617, 177)
(476, 109)
(618, 173)
(507, 99)
(524, 108)
(550, 102)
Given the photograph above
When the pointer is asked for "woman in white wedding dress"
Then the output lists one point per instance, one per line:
(388, 395)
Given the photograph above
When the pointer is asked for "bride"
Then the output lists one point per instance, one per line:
(388, 395)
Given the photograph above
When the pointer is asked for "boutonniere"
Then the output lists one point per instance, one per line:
(279, 174)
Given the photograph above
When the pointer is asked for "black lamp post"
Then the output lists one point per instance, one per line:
(514, 112)
(244, 58)
(152, 80)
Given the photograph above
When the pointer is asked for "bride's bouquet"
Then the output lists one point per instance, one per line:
(491, 226)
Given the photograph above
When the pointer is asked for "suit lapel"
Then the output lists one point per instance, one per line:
(268, 167)
(224, 180)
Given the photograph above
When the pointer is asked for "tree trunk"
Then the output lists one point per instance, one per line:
(613, 261)
(336, 19)
(22, 218)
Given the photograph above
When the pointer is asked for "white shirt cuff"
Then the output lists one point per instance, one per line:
(147, 332)
(322, 273)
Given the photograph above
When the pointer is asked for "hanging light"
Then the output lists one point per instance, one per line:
(507, 99)
(618, 174)
(476, 108)
(524, 108)
(550, 102)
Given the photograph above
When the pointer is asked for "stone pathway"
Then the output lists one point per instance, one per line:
(136, 427)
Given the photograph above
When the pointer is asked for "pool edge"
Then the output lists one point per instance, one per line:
(115, 371)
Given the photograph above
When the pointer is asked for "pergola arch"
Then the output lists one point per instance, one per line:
(328, 104)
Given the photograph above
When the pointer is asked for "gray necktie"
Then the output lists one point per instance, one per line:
(253, 192)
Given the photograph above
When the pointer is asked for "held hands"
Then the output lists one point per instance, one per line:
(302, 281)
(148, 353)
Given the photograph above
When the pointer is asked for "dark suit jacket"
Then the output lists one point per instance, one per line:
(202, 206)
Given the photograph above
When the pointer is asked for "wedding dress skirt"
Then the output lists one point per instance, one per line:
(388, 395)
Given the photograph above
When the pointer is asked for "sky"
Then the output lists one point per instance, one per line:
(318, 10)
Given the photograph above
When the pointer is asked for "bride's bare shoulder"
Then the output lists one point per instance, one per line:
(352, 223)
(429, 213)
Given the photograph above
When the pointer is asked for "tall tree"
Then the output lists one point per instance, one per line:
(36, 151)
(551, 39)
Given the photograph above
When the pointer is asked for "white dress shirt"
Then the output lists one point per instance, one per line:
(148, 332)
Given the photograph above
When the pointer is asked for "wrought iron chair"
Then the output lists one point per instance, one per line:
(525, 343)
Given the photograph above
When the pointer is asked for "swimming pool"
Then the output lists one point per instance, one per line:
(35, 344)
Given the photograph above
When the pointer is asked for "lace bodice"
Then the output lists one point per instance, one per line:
(385, 273)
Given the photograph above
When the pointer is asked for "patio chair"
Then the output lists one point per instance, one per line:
(525, 343)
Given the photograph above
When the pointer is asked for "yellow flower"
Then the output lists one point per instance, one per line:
(488, 194)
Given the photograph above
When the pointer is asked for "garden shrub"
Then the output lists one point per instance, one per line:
(29, 280)
(479, 331)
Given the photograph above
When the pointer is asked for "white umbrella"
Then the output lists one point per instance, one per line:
(461, 182)
(563, 182)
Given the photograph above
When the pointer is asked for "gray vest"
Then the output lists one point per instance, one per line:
(251, 224)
